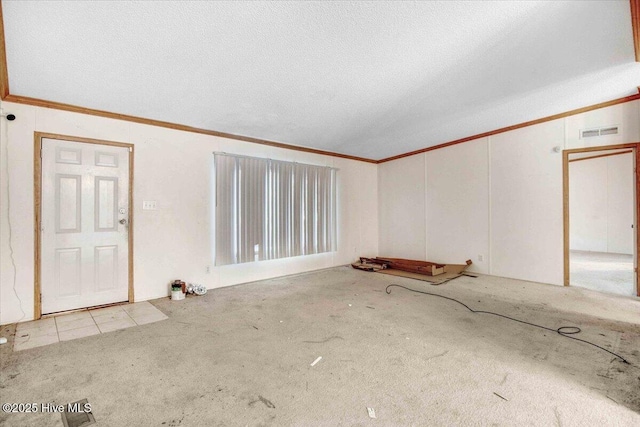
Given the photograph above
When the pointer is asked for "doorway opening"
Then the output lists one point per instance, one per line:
(601, 196)
(83, 198)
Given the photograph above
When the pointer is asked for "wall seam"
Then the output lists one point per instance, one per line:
(379, 209)
(426, 210)
(565, 255)
(489, 246)
(607, 212)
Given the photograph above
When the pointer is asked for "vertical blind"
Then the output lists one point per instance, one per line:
(268, 209)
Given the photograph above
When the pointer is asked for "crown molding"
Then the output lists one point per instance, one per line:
(107, 114)
(518, 126)
(5, 95)
(4, 72)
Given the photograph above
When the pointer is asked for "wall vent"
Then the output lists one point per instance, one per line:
(608, 130)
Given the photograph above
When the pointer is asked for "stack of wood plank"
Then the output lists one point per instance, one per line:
(416, 269)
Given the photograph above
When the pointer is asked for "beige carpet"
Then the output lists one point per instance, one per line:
(242, 356)
(603, 272)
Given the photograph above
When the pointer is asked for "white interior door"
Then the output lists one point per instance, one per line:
(84, 236)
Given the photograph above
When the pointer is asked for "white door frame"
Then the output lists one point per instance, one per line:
(565, 180)
(37, 190)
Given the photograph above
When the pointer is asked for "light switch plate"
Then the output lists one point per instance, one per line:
(149, 205)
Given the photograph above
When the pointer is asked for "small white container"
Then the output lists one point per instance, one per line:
(177, 295)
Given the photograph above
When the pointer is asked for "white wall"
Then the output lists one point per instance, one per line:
(624, 115)
(457, 205)
(401, 194)
(499, 196)
(526, 203)
(601, 204)
(620, 210)
(173, 168)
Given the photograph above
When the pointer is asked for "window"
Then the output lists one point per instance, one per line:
(268, 209)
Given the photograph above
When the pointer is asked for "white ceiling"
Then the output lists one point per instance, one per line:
(370, 79)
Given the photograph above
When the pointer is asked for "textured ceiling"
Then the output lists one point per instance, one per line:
(370, 79)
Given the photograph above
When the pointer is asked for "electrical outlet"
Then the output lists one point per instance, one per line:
(208, 269)
(480, 258)
(149, 205)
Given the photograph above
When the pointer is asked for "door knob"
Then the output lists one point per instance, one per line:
(123, 221)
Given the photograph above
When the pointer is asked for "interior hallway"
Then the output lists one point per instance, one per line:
(241, 356)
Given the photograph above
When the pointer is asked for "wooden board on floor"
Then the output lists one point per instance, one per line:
(405, 268)
(434, 280)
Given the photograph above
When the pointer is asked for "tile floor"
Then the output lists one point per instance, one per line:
(65, 327)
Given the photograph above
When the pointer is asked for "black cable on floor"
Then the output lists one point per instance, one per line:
(565, 331)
